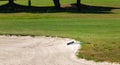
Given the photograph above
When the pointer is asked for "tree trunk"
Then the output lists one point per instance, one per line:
(56, 3)
(29, 3)
(11, 2)
(79, 4)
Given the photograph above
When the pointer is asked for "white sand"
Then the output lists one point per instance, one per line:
(26, 50)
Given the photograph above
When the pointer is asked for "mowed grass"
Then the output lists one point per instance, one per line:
(102, 33)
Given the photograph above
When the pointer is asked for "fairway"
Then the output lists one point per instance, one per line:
(101, 30)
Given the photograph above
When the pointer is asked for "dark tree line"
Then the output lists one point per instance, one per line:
(56, 3)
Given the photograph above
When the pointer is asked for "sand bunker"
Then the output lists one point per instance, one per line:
(26, 50)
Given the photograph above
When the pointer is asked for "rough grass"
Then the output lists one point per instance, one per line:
(110, 3)
(114, 3)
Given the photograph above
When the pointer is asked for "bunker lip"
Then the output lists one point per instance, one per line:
(41, 50)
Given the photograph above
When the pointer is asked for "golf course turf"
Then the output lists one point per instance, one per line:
(102, 31)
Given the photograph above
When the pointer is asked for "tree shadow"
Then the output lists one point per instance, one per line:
(95, 9)
(72, 8)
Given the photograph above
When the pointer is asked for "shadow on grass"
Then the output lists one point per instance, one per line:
(15, 8)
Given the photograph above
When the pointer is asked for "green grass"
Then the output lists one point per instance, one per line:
(102, 33)
(110, 3)
(101, 30)
(89, 2)
(114, 3)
